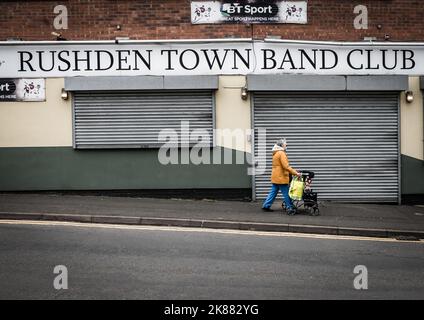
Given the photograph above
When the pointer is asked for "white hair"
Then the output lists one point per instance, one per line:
(281, 142)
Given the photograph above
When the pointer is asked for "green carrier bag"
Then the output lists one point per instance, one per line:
(296, 188)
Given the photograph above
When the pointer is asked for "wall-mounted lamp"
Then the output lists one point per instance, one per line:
(58, 36)
(244, 93)
(409, 96)
(64, 95)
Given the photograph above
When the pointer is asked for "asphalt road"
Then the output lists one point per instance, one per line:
(105, 262)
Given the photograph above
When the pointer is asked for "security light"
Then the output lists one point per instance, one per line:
(244, 93)
(58, 36)
(409, 96)
(64, 95)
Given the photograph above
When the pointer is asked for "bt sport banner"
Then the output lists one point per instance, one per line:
(205, 12)
(134, 58)
(22, 90)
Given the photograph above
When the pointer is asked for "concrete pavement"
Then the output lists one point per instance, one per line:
(336, 218)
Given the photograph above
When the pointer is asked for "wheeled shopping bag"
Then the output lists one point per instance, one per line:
(302, 195)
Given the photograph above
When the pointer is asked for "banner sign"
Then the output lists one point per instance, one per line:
(22, 90)
(203, 12)
(209, 58)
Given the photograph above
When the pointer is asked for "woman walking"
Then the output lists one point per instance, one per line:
(280, 177)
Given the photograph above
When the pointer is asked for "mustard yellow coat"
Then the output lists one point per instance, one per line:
(281, 169)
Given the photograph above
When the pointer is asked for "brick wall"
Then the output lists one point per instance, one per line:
(402, 20)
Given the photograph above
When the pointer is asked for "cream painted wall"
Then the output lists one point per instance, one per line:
(49, 123)
(411, 115)
(232, 113)
(37, 124)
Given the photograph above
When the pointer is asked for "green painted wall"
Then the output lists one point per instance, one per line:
(63, 168)
(412, 175)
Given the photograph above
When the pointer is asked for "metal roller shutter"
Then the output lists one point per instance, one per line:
(349, 139)
(133, 119)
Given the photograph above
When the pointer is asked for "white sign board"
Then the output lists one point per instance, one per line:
(209, 58)
(204, 12)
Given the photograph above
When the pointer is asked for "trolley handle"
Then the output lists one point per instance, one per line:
(306, 173)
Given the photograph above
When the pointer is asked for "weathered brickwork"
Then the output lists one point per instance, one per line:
(401, 20)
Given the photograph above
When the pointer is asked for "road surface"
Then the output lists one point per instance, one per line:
(141, 262)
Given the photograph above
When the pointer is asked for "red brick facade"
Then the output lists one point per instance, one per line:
(401, 20)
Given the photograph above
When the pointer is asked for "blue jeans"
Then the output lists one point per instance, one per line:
(284, 188)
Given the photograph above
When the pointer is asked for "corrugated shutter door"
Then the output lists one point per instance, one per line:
(133, 119)
(350, 141)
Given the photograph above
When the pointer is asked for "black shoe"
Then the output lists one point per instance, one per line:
(267, 209)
